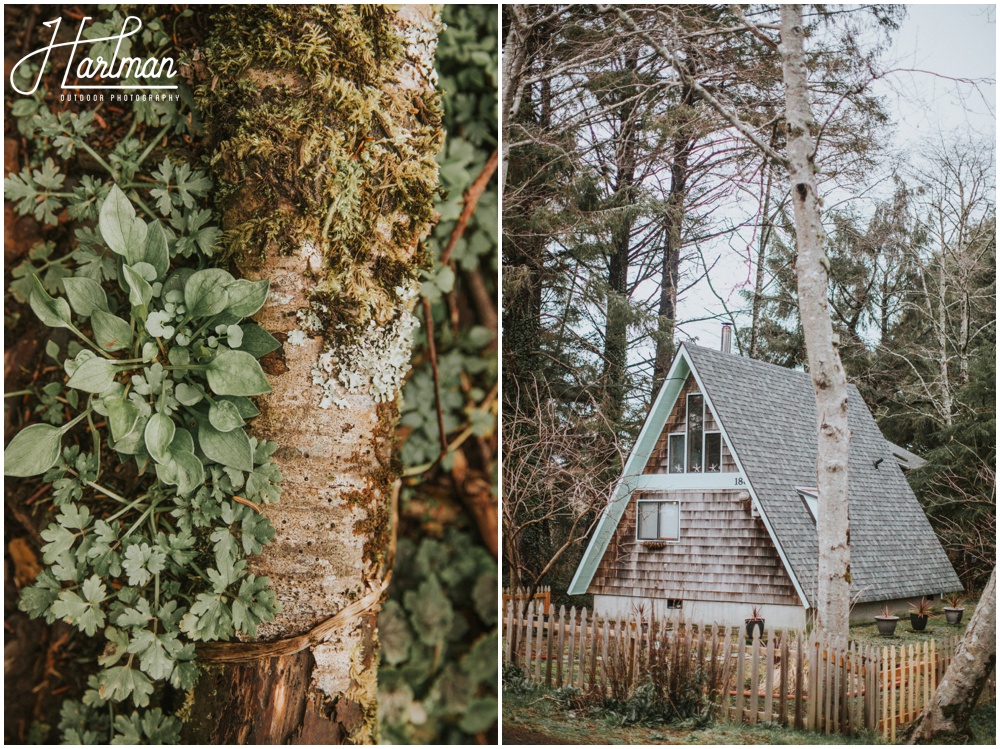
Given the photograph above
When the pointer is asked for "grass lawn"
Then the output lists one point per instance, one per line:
(937, 629)
(540, 717)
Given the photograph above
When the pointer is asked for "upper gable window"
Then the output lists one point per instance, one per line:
(694, 450)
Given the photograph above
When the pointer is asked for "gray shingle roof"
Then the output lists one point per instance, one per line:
(769, 413)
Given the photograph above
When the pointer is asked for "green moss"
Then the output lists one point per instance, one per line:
(314, 143)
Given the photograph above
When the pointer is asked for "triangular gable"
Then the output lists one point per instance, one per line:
(634, 477)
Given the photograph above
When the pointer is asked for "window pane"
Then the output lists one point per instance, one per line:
(696, 425)
(676, 442)
(670, 520)
(713, 452)
(647, 519)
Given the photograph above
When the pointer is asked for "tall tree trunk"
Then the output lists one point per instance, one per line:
(681, 153)
(942, 335)
(829, 380)
(325, 123)
(623, 220)
(515, 59)
(946, 717)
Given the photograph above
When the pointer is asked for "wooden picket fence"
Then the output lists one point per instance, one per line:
(543, 595)
(784, 677)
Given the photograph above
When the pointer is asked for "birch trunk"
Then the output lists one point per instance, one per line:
(945, 720)
(325, 124)
(829, 380)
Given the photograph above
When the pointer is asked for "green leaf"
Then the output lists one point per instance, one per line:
(244, 406)
(141, 562)
(246, 297)
(156, 652)
(188, 395)
(86, 615)
(121, 228)
(224, 416)
(52, 312)
(36, 600)
(123, 416)
(33, 451)
(110, 331)
(159, 433)
(208, 619)
(116, 648)
(121, 682)
(255, 603)
(230, 448)
(154, 250)
(394, 633)
(205, 292)
(236, 373)
(85, 295)
(139, 290)
(480, 715)
(95, 375)
(190, 471)
(430, 610)
(257, 341)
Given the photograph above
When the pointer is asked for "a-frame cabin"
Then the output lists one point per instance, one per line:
(715, 509)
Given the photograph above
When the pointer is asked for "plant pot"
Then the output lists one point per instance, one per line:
(918, 622)
(954, 616)
(886, 624)
(752, 624)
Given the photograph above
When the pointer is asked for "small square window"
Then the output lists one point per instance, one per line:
(674, 603)
(659, 521)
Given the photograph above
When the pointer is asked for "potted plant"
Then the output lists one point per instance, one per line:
(918, 617)
(954, 610)
(886, 622)
(755, 620)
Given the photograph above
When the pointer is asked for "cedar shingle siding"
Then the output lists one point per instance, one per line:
(723, 555)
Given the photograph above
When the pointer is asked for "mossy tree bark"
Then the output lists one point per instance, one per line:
(324, 123)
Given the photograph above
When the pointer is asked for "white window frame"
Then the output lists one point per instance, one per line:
(683, 436)
(658, 501)
(704, 449)
(687, 417)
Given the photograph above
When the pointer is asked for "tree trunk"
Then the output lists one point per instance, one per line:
(622, 223)
(942, 335)
(945, 720)
(829, 380)
(679, 168)
(325, 124)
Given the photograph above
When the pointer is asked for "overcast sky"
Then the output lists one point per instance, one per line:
(951, 41)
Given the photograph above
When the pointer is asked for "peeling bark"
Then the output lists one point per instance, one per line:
(341, 264)
(829, 380)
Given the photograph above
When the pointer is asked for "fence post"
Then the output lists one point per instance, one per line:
(783, 680)
(604, 656)
(583, 645)
(738, 710)
(799, 680)
(539, 620)
(549, 637)
(769, 678)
